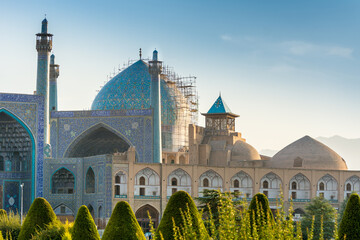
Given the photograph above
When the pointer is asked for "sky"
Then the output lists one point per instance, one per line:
(288, 68)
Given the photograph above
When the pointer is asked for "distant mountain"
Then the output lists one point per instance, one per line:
(348, 149)
(268, 152)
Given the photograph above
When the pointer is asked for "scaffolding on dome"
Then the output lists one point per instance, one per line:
(186, 103)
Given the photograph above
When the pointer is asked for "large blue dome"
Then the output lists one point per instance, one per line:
(130, 89)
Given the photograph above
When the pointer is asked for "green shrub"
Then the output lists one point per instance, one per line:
(84, 226)
(10, 225)
(3, 213)
(54, 231)
(123, 224)
(180, 208)
(260, 215)
(350, 224)
(40, 215)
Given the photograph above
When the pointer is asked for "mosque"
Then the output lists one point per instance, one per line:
(140, 143)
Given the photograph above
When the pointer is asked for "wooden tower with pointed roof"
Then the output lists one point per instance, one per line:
(219, 119)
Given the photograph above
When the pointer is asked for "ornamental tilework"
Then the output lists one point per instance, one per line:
(130, 89)
(30, 110)
(131, 129)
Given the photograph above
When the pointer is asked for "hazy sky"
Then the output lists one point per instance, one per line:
(288, 68)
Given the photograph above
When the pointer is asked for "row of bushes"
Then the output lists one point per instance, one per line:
(181, 221)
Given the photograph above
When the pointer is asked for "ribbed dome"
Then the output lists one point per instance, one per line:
(308, 153)
(130, 89)
(242, 151)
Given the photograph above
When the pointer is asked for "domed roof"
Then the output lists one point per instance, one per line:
(130, 89)
(308, 153)
(243, 151)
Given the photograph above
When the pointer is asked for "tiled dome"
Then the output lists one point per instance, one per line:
(130, 89)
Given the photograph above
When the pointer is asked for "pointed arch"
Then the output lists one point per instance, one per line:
(270, 185)
(242, 183)
(33, 147)
(62, 181)
(301, 181)
(215, 180)
(178, 180)
(352, 184)
(143, 218)
(330, 183)
(120, 184)
(90, 181)
(151, 177)
(97, 140)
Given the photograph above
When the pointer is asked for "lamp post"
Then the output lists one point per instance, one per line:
(22, 202)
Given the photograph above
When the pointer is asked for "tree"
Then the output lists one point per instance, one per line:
(350, 224)
(180, 208)
(319, 207)
(260, 214)
(123, 224)
(84, 226)
(40, 215)
(211, 199)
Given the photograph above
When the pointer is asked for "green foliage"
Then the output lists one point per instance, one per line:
(54, 231)
(3, 213)
(180, 209)
(1, 236)
(342, 209)
(123, 224)
(260, 213)
(319, 207)
(84, 226)
(235, 223)
(40, 215)
(210, 202)
(10, 225)
(350, 224)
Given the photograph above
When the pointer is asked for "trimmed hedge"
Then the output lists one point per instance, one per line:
(3, 213)
(84, 226)
(350, 224)
(53, 232)
(180, 202)
(40, 215)
(123, 224)
(259, 207)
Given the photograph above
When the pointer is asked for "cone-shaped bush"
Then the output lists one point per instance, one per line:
(259, 211)
(40, 215)
(350, 224)
(178, 203)
(3, 213)
(123, 224)
(84, 226)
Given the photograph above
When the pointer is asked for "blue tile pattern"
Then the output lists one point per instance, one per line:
(68, 127)
(219, 107)
(130, 89)
(29, 109)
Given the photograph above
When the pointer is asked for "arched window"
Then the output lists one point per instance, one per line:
(63, 182)
(91, 210)
(142, 216)
(206, 182)
(236, 183)
(173, 182)
(90, 181)
(348, 187)
(322, 186)
(172, 161)
(117, 179)
(142, 181)
(293, 186)
(265, 184)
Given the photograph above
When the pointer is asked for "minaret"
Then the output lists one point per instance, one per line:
(43, 47)
(155, 68)
(54, 74)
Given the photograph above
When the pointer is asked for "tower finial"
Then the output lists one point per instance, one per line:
(219, 93)
(140, 53)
